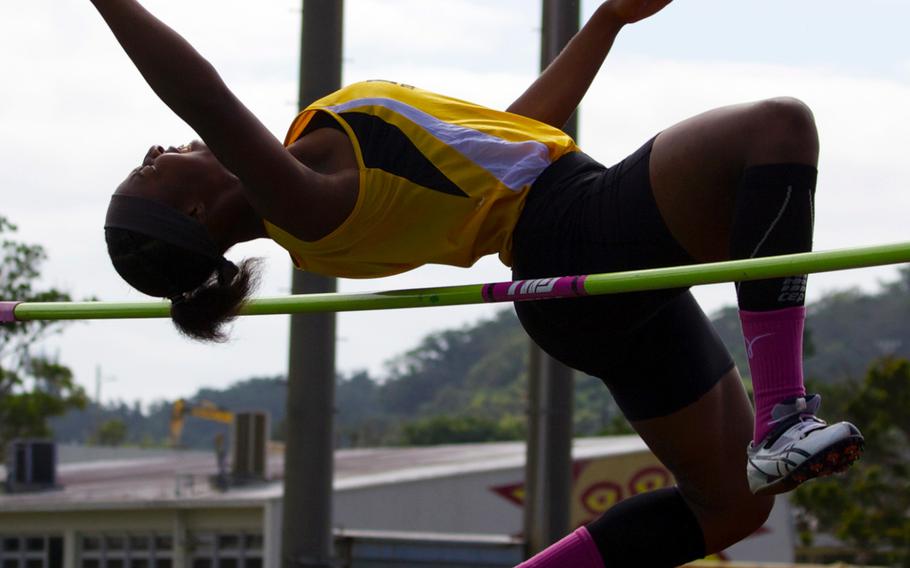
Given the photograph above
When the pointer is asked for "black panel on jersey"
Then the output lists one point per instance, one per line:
(385, 147)
(322, 119)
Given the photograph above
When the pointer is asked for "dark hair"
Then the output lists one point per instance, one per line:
(203, 297)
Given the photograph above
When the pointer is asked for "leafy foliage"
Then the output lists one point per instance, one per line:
(447, 368)
(148, 427)
(33, 387)
(461, 385)
(111, 433)
(868, 507)
(461, 429)
(479, 373)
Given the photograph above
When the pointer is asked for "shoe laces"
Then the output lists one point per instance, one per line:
(796, 411)
(795, 407)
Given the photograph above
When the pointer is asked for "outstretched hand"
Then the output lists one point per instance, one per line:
(631, 11)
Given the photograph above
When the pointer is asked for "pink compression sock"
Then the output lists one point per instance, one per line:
(774, 344)
(577, 550)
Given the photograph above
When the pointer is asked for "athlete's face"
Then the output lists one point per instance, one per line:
(182, 177)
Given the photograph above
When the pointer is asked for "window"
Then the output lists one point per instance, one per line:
(222, 549)
(226, 550)
(125, 550)
(31, 551)
(164, 541)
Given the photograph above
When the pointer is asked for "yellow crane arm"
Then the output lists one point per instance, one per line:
(205, 410)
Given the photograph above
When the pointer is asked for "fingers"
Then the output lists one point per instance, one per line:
(657, 6)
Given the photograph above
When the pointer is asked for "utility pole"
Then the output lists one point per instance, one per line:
(99, 409)
(306, 537)
(548, 469)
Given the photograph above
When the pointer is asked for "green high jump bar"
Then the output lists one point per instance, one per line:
(521, 290)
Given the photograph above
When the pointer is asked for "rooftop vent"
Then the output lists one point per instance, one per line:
(31, 465)
(250, 440)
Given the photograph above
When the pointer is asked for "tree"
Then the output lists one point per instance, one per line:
(33, 387)
(111, 433)
(460, 430)
(869, 507)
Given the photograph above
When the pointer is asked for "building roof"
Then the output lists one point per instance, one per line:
(134, 479)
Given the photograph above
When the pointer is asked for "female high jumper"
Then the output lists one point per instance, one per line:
(379, 178)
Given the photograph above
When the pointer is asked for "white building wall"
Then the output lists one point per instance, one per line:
(179, 522)
(459, 504)
(467, 504)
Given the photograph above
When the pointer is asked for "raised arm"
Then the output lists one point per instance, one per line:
(557, 92)
(190, 86)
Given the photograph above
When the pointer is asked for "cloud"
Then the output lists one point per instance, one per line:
(460, 34)
(75, 117)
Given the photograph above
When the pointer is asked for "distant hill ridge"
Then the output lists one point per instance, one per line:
(468, 384)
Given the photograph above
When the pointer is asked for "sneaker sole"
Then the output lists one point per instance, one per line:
(836, 458)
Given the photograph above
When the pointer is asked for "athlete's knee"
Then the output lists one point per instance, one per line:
(728, 519)
(743, 518)
(752, 513)
(788, 114)
(785, 127)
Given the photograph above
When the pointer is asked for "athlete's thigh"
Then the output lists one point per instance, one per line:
(696, 166)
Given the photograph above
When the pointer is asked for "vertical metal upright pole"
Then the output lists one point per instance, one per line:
(560, 24)
(548, 470)
(309, 451)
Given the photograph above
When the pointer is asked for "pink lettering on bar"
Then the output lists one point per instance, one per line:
(535, 289)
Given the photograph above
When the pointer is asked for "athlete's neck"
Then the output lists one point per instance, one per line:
(231, 219)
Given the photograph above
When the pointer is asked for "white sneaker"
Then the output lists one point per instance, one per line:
(800, 447)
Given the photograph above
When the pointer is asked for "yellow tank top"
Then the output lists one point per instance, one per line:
(441, 180)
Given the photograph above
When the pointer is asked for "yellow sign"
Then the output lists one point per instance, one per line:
(601, 483)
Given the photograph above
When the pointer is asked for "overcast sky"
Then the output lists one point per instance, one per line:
(75, 117)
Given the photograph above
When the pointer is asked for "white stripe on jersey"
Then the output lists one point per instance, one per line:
(514, 164)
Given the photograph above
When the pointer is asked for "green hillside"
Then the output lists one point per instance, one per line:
(846, 330)
(469, 384)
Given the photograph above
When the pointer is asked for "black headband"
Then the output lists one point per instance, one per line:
(156, 220)
(153, 219)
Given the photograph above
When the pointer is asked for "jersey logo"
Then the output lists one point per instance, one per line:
(385, 147)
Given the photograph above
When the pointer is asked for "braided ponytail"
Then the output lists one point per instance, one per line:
(205, 293)
(203, 312)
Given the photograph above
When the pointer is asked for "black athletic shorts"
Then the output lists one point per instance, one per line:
(655, 350)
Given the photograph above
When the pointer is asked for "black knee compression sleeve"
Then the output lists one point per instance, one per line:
(773, 215)
(653, 529)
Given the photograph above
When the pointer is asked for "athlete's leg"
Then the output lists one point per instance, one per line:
(667, 369)
(739, 182)
(686, 400)
(673, 378)
(702, 445)
(697, 166)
